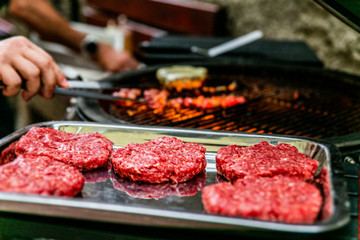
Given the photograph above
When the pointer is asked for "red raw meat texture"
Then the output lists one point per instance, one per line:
(263, 159)
(8, 154)
(279, 198)
(160, 160)
(40, 175)
(85, 151)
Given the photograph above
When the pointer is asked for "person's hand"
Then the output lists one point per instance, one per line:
(114, 61)
(21, 60)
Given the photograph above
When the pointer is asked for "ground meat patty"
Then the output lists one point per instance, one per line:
(160, 160)
(40, 175)
(263, 159)
(84, 151)
(8, 154)
(280, 198)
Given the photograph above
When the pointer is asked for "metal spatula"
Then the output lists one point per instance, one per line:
(228, 46)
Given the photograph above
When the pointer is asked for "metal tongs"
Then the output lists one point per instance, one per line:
(87, 89)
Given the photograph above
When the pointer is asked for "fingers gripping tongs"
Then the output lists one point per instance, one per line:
(86, 90)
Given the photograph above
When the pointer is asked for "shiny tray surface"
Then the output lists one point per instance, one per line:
(106, 197)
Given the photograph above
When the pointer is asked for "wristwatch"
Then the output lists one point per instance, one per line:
(89, 45)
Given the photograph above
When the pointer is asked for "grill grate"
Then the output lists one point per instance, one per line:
(280, 101)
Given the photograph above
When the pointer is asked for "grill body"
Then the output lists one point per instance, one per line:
(309, 102)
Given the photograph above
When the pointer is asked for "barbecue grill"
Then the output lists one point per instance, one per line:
(281, 99)
(309, 102)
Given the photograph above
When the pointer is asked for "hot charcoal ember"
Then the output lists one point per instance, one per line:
(185, 84)
(163, 159)
(279, 198)
(220, 88)
(8, 154)
(263, 159)
(145, 190)
(84, 151)
(40, 175)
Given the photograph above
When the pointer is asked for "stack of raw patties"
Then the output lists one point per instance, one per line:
(47, 161)
(161, 167)
(266, 182)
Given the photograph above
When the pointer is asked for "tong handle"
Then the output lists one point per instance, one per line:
(82, 93)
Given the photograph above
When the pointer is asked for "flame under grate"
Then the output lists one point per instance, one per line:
(291, 104)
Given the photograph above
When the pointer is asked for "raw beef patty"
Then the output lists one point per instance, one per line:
(160, 160)
(40, 175)
(263, 159)
(8, 154)
(279, 198)
(85, 151)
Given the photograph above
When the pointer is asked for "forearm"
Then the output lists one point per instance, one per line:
(44, 19)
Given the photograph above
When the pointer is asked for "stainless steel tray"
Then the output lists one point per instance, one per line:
(105, 197)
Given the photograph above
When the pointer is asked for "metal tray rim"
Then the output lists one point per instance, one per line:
(7, 199)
